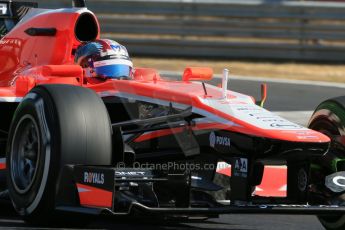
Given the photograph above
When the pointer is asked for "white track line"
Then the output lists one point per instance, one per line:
(299, 117)
(265, 79)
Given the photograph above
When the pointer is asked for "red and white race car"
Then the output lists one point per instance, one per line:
(145, 145)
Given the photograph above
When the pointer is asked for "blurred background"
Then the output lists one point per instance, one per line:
(267, 38)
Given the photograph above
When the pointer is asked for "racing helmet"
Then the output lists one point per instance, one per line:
(104, 59)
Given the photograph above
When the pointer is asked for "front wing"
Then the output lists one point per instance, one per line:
(130, 191)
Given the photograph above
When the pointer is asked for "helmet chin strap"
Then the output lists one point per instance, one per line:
(123, 78)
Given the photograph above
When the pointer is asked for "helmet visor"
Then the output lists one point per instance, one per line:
(114, 69)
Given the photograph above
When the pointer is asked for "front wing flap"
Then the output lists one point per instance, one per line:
(127, 191)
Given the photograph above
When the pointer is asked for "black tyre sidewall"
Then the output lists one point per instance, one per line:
(330, 115)
(330, 111)
(74, 128)
(38, 105)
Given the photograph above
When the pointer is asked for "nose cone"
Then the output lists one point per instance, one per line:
(305, 135)
(248, 118)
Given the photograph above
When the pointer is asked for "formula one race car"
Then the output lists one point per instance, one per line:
(139, 145)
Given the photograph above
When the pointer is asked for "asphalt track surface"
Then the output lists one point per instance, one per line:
(281, 97)
(287, 96)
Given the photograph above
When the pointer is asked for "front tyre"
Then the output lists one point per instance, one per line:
(53, 126)
(329, 119)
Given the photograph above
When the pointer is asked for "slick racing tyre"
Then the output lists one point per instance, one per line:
(53, 126)
(329, 119)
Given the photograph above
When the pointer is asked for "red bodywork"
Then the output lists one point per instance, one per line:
(27, 61)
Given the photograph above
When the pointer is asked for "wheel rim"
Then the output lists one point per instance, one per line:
(25, 153)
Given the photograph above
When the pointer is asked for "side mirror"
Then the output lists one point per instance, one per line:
(62, 70)
(263, 95)
(146, 74)
(197, 74)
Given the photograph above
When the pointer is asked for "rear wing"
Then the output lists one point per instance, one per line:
(11, 12)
